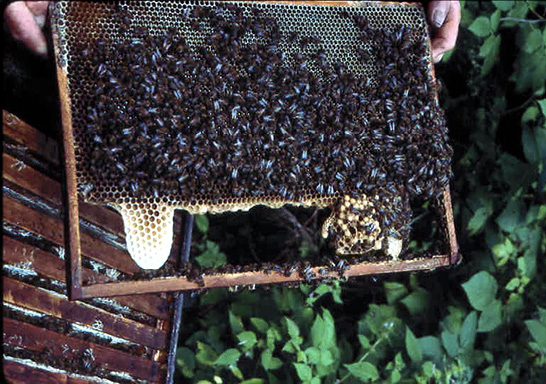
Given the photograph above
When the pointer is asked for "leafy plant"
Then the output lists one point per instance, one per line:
(483, 322)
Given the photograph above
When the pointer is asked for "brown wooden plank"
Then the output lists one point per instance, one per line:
(30, 179)
(48, 265)
(53, 230)
(17, 373)
(28, 296)
(258, 278)
(34, 338)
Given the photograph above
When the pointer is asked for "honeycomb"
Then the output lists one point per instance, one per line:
(146, 146)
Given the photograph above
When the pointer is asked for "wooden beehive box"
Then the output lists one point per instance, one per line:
(47, 337)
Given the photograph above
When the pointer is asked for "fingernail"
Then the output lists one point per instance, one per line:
(41, 48)
(438, 58)
(438, 18)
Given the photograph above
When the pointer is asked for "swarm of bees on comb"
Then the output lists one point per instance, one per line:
(237, 116)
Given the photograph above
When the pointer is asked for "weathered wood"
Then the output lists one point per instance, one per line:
(258, 278)
(18, 373)
(28, 296)
(51, 266)
(26, 136)
(31, 337)
(52, 229)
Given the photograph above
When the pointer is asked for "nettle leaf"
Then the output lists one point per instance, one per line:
(394, 291)
(247, 339)
(538, 332)
(491, 44)
(313, 355)
(326, 357)
(495, 20)
(212, 257)
(363, 371)
(512, 216)
(185, 359)
(503, 5)
(533, 41)
(323, 332)
(468, 331)
(478, 220)
(253, 381)
(412, 347)
(202, 223)
(481, 290)
(542, 103)
(235, 323)
(228, 357)
(269, 362)
(205, 354)
(450, 342)
(431, 348)
(416, 302)
(260, 324)
(530, 145)
(364, 341)
(481, 27)
(304, 371)
(491, 317)
(292, 327)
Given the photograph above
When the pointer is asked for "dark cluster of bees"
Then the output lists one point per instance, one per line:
(236, 116)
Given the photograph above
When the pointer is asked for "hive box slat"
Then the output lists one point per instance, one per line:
(18, 373)
(28, 296)
(52, 229)
(34, 338)
(48, 265)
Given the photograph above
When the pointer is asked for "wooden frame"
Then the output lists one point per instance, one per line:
(78, 291)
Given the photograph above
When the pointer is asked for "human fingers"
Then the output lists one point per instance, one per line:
(39, 10)
(24, 27)
(446, 14)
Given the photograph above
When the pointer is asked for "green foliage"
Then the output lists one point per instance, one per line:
(483, 322)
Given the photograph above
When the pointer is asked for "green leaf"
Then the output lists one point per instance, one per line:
(481, 27)
(542, 103)
(269, 362)
(394, 291)
(235, 323)
(211, 257)
(304, 371)
(503, 5)
(205, 354)
(237, 373)
(412, 347)
(450, 342)
(512, 216)
(533, 41)
(478, 220)
(530, 146)
(364, 341)
(326, 357)
(253, 381)
(202, 223)
(247, 339)
(260, 324)
(431, 348)
(363, 371)
(538, 331)
(468, 331)
(495, 20)
(416, 302)
(480, 290)
(228, 357)
(292, 327)
(313, 355)
(323, 331)
(490, 46)
(185, 359)
(491, 317)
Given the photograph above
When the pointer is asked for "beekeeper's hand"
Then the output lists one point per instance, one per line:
(444, 16)
(25, 20)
